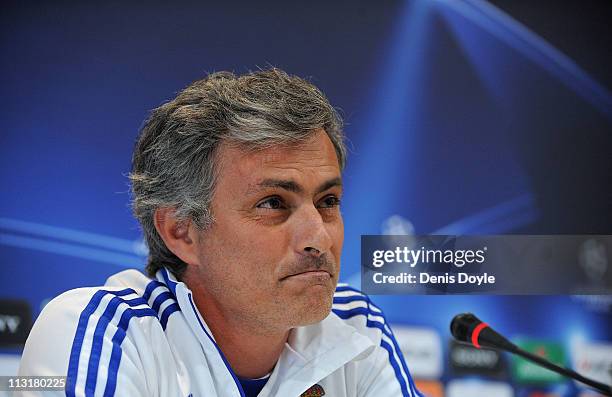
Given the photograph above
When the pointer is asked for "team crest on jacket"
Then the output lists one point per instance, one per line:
(314, 391)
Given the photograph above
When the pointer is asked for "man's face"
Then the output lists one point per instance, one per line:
(272, 256)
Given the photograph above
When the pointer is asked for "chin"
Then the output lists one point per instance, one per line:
(315, 310)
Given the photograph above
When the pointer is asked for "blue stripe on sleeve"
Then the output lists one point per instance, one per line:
(98, 339)
(150, 288)
(349, 299)
(161, 298)
(77, 344)
(113, 368)
(396, 369)
(73, 365)
(98, 336)
(163, 319)
(403, 362)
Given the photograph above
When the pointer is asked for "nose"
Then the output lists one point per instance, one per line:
(311, 236)
(312, 251)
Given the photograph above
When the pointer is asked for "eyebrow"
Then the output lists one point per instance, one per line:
(292, 186)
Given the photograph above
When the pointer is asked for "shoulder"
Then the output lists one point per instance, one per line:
(385, 367)
(71, 317)
(358, 310)
(125, 295)
(86, 329)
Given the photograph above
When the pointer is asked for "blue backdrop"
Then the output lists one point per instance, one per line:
(459, 119)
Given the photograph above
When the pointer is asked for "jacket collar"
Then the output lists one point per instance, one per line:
(311, 352)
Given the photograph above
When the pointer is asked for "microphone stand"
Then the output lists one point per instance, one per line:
(605, 389)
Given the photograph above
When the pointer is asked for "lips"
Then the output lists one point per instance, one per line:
(310, 272)
(306, 267)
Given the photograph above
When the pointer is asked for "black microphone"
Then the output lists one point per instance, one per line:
(468, 328)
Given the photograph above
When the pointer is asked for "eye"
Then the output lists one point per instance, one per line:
(272, 203)
(330, 202)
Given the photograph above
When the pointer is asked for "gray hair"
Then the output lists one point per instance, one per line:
(174, 162)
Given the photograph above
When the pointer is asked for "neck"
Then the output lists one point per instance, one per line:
(250, 353)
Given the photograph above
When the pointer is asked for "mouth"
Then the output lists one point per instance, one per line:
(317, 274)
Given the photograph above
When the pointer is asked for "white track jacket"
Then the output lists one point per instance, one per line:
(141, 337)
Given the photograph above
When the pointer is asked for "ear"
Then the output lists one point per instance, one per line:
(179, 236)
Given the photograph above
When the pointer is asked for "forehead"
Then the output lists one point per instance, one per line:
(313, 159)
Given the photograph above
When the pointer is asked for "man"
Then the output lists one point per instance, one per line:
(237, 184)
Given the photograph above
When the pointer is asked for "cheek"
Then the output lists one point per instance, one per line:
(251, 249)
(260, 241)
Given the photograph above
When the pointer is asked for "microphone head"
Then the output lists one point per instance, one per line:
(468, 328)
(462, 326)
